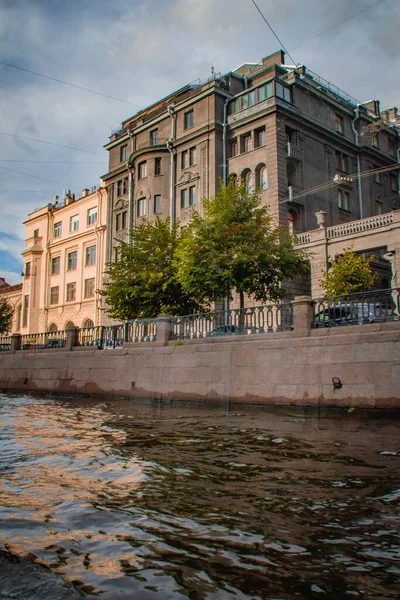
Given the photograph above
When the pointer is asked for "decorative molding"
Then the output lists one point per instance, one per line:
(188, 177)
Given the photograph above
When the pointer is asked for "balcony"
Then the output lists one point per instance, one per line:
(295, 195)
(293, 151)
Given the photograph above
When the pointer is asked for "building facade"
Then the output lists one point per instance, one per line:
(64, 264)
(304, 144)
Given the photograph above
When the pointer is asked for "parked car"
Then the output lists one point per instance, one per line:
(56, 343)
(234, 330)
(5, 347)
(107, 344)
(353, 314)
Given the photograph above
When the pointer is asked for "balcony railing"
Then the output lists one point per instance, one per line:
(293, 151)
(295, 195)
(44, 341)
(151, 143)
(360, 226)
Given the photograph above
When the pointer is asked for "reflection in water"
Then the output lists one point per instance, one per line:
(129, 500)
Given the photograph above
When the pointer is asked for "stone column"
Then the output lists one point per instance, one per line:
(303, 314)
(164, 328)
(393, 256)
(72, 338)
(16, 342)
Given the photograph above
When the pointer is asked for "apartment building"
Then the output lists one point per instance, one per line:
(303, 143)
(64, 264)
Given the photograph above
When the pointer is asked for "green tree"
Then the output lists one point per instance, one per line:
(6, 315)
(142, 283)
(350, 273)
(235, 247)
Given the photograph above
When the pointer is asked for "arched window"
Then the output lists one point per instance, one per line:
(261, 178)
(53, 327)
(19, 313)
(88, 323)
(233, 179)
(69, 324)
(247, 179)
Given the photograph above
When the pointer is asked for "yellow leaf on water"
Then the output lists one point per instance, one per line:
(351, 410)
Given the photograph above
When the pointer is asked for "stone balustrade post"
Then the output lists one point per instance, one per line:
(303, 314)
(72, 338)
(16, 342)
(164, 328)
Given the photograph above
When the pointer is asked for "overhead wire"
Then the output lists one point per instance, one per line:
(338, 24)
(54, 162)
(281, 44)
(79, 87)
(23, 137)
(37, 177)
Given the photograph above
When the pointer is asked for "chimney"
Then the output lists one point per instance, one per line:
(85, 192)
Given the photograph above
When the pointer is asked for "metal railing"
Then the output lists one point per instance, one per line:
(246, 321)
(5, 343)
(44, 341)
(293, 151)
(357, 309)
(114, 336)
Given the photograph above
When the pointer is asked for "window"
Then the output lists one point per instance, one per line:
(118, 187)
(391, 147)
(247, 178)
(157, 166)
(192, 156)
(92, 216)
(375, 140)
(378, 207)
(57, 231)
(27, 269)
(339, 124)
(188, 119)
(74, 223)
(192, 196)
(342, 161)
(89, 288)
(282, 92)
(260, 137)
(53, 327)
(124, 219)
(121, 220)
(157, 204)
(25, 311)
(36, 233)
(245, 102)
(118, 222)
(122, 186)
(142, 170)
(123, 152)
(233, 179)
(262, 178)
(154, 137)
(185, 159)
(245, 142)
(125, 185)
(261, 93)
(252, 98)
(184, 199)
(71, 291)
(233, 148)
(343, 200)
(55, 265)
(394, 184)
(291, 217)
(54, 295)
(87, 323)
(90, 256)
(141, 207)
(72, 260)
(377, 176)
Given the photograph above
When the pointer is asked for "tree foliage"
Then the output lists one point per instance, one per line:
(142, 283)
(236, 248)
(350, 273)
(6, 315)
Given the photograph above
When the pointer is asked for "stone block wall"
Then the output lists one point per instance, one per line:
(287, 368)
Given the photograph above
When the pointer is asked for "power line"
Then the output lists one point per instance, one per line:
(37, 177)
(49, 143)
(26, 191)
(282, 46)
(79, 87)
(338, 24)
(55, 162)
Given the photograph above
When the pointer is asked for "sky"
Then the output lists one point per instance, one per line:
(140, 51)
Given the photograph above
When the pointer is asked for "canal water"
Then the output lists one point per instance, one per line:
(119, 499)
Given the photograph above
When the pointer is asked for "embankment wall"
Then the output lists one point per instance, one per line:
(280, 368)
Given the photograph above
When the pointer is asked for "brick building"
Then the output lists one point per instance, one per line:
(282, 129)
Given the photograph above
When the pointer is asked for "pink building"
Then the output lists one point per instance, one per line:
(64, 264)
